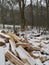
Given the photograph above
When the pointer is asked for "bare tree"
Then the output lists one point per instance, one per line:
(37, 17)
(32, 12)
(41, 12)
(12, 3)
(2, 12)
(37, 12)
(47, 7)
(22, 8)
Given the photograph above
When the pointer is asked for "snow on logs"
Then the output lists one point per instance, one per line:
(15, 37)
(13, 58)
(24, 53)
(4, 35)
(25, 56)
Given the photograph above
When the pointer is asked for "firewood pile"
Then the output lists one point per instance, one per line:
(21, 52)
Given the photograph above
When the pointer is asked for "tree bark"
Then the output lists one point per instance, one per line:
(47, 13)
(32, 13)
(2, 13)
(22, 7)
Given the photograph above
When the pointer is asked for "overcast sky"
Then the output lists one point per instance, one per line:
(34, 2)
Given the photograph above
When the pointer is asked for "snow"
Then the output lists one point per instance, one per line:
(2, 56)
(2, 40)
(9, 63)
(3, 30)
(25, 55)
(46, 41)
(45, 50)
(46, 62)
(38, 62)
(36, 53)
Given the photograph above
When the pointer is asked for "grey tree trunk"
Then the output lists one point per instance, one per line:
(41, 12)
(22, 7)
(2, 13)
(37, 14)
(47, 7)
(13, 19)
(32, 13)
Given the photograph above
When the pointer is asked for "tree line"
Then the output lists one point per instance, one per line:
(34, 15)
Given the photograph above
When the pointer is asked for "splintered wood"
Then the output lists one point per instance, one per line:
(24, 52)
(25, 56)
(15, 38)
(13, 58)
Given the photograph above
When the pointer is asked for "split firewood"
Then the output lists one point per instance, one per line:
(43, 58)
(35, 48)
(25, 45)
(13, 46)
(15, 37)
(2, 35)
(37, 54)
(25, 56)
(11, 57)
(23, 40)
(28, 47)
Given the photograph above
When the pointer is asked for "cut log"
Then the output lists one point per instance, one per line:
(25, 56)
(23, 44)
(4, 35)
(28, 47)
(13, 58)
(13, 47)
(37, 54)
(35, 48)
(15, 38)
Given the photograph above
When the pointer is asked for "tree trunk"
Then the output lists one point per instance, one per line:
(2, 13)
(13, 19)
(22, 7)
(37, 15)
(32, 13)
(41, 13)
(47, 13)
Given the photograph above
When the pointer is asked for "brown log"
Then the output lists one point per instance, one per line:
(25, 56)
(15, 37)
(23, 44)
(15, 60)
(2, 35)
